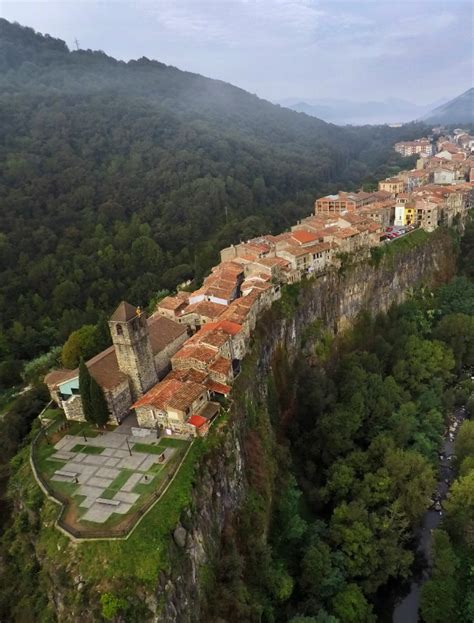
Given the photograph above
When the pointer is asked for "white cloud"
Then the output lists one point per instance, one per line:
(238, 22)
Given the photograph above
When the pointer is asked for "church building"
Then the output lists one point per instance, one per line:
(139, 357)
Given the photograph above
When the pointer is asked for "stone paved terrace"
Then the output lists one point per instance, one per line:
(106, 474)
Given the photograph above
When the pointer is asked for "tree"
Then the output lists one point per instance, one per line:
(464, 444)
(81, 343)
(457, 331)
(352, 533)
(412, 481)
(85, 391)
(421, 362)
(460, 509)
(100, 409)
(440, 595)
(351, 606)
(10, 373)
(321, 571)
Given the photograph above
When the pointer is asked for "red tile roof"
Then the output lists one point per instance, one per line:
(207, 309)
(221, 365)
(302, 236)
(197, 352)
(217, 388)
(55, 377)
(197, 420)
(171, 393)
(229, 327)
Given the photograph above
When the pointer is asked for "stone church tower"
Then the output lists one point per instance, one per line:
(129, 330)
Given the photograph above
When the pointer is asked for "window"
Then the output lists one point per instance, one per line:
(119, 329)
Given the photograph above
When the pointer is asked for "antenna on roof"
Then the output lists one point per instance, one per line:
(77, 43)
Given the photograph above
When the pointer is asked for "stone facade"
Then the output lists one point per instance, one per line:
(162, 359)
(119, 400)
(73, 408)
(134, 354)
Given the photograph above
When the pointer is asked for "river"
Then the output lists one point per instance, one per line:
(406, 611)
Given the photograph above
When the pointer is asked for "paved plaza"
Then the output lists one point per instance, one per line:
(102, 461)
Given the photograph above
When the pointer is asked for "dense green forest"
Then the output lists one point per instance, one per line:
(121, 179)
(364, 427)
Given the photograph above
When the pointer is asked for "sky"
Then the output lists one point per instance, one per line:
(420, 51)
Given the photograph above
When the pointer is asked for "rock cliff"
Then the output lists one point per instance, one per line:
(335, 299)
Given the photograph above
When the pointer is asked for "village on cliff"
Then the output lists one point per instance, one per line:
(171, 370)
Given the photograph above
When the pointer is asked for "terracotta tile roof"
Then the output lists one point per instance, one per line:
(302, 237)
(271, 261)
(237, 314)
(231, 328)
(346, 232)
(218, 388)
(104, 368)
(185, 395)
(197, 420)
(259, 245)
(230, 268)
(207, 309)
(221, 365)
(286, 235)
(221, 290)
(294, 250)
(159, 395)
(196, 352)
(174, 302)
(163, 332)
(171, 393)
(188, 374)
(55, 377)
(215, 338)
(319, 248)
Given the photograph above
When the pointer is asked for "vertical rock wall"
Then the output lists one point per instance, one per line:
(335, 299)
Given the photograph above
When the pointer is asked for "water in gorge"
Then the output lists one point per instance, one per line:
(406, 608)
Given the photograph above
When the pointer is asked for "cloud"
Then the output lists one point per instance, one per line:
(237, 22)
(279, 48)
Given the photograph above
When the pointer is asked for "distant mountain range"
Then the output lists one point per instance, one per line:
(342, 112)
(458, 110)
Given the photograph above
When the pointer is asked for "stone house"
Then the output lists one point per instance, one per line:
(393, 185)
(172, 405)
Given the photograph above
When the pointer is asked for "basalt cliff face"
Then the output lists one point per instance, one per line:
(229, 469)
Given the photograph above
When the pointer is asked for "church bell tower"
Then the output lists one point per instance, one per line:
(131, 338)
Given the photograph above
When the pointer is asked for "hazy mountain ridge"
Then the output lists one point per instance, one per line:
(458, 110)
(342, 112)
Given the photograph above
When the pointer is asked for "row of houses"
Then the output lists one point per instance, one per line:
(173, 369)
(410, 148)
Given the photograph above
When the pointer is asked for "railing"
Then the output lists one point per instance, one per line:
(126, 526)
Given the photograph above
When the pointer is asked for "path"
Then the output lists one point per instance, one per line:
(95, 473)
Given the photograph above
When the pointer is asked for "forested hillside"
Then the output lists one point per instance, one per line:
(122, 179)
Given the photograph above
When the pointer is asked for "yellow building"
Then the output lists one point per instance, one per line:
(405, 214)
(393, 185)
